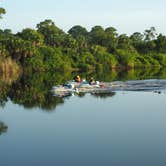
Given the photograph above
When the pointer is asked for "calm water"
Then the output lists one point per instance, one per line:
(125, 128)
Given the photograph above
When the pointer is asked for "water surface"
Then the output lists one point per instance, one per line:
(124, 128)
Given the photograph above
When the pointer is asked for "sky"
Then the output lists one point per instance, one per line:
(127, 16)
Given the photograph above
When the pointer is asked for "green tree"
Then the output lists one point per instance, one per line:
(161, 43)
(3, 52)
(70, 43)
(78, 31)
(31, 35)
(124, 42)
(150, 34)
(86, 61)
(125, 58)
(2, 11)
(19, 49)
(104, 59)
(81, 43)
(53, 36)
(54, 59)
(150, 46)
(110, 39)
(97, 35)
(137, 41)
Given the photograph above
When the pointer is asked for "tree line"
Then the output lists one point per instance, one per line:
(47, 47)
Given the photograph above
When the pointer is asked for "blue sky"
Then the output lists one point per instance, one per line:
(127, 16)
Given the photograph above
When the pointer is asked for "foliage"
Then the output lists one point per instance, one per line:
(78, 31)
(50, 48)
(31, 35)
(2, 11)
(53, 36)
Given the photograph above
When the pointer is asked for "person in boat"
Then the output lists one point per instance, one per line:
(77, 78)
(91, 81)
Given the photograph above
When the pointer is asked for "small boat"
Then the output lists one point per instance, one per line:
(84, 84)
(61, 88)
(72, 87)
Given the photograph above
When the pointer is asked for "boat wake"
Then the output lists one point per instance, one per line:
(138, 85)
(70, 88)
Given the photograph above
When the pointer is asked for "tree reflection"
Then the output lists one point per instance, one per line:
(3, 128)
(6, 81)
(103, 94)
(32, 90)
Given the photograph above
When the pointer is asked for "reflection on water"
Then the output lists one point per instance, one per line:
(128, 129)
(6, 81)
(33, 90)
(3, 128)
(101, 129)
(103, 95)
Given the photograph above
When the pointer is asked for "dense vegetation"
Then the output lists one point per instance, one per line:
(49, 48)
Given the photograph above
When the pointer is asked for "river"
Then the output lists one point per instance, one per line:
(125, 127)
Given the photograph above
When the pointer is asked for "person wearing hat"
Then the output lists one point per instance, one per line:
(77, 78)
